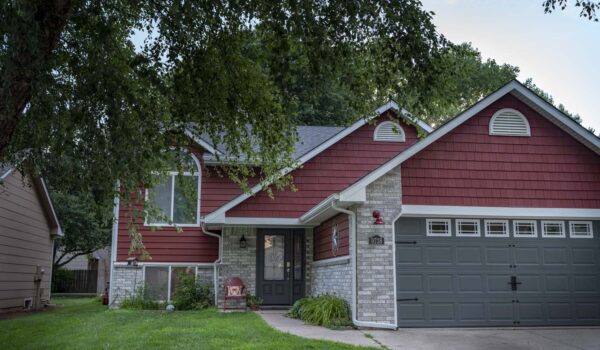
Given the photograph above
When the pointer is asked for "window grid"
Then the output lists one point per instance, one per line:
(496, 228)
(581, 229)
(438, 228)
(525, 229)
(467, 228)
(553, 229)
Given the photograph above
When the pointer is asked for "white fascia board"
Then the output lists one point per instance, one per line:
(558, 115)
(358, 196)
(239, 221)
(404, 114)
(434, 136)
(498, 212)
(5, 175)
(319, 208)
(202, 143)
(58, 230)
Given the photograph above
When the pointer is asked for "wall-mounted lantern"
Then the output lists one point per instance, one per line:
(378, 218)
(243, 243)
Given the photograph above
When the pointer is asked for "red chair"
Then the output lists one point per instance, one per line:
(234, 289)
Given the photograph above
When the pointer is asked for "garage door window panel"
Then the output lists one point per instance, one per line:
(496, 228)
(438, 228)
(581, 229)
(467, 228)
(525, 229)
(553, 229)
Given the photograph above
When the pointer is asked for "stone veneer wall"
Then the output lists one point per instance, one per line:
(236, 261)
(124, 283)
(375, 263)
(332, 276)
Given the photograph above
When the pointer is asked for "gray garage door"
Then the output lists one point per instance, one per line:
(495, 281)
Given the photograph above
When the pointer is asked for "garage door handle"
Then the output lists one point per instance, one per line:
(406, 242)
(412, 299)
(513, 282)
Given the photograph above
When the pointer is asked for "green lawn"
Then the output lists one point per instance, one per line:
(85, 324)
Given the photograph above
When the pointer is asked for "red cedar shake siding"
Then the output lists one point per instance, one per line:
(322, 238)
(329, 172)
(217, 190)
(468, 167)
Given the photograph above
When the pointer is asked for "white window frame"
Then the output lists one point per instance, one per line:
(470, 221)
(562, 226)
(172, 176)
(503, 222)
(590, 231)
(170, 267)
(516, 233)
(401, 134)
(448, 223)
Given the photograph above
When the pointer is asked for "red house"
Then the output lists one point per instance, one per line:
(492, 219)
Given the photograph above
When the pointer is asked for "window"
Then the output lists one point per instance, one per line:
(175, 199)
(161, 282)
(553, 229)
(467, 228)
(581, 229)
(525, 228)
(509, 122)
(389, 132)
(496, 228)
(438, 228)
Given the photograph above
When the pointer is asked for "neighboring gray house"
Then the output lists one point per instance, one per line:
(28, 227)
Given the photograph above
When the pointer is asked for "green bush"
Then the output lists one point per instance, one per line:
(191, 294)
(325, 310)
(252, 299)
(140, 301)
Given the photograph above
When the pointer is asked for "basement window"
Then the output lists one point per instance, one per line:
(553, 229)
(496, 228)
(438, 228)
(161, 282)
(389, 131)
(467, 228)
(525, 228)
(509, 122)
(581, 229)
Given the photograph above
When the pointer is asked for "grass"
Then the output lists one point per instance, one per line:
(86, 324)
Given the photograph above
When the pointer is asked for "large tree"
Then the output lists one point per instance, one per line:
(587, 8)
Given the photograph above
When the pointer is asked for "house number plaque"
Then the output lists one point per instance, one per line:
(376, 240)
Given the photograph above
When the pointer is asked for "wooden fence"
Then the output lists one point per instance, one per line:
(75, 281)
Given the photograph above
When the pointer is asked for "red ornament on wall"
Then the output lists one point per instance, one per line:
(378, 218)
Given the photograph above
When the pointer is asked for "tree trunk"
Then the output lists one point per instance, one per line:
(50, 19)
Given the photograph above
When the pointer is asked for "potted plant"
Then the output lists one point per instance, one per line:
(253, 302)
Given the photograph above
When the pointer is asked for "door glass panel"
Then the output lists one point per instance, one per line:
(297, 257)
(274, 255)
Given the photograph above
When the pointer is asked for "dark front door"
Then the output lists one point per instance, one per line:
(280, 266)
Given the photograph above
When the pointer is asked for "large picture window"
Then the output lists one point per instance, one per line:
(175, 199)
(161, 282)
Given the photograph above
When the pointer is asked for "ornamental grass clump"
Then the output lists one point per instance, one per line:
(325, 310)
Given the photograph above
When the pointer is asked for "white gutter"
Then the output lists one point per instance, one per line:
(216, 262)
(113, 245)
(358, 323)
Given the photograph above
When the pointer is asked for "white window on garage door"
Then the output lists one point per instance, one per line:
(467, 228)
(525, 229)
(496, 228)
(553, 229)
(438, 228)
(581, 229)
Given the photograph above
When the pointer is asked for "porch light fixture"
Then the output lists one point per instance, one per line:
(243, 243)
(378, 218)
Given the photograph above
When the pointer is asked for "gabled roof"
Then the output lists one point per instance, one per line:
(318, 145)
(515, 88)
(45, 200)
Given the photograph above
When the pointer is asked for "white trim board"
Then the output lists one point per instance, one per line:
(442, 211)
(519, 91)
(219, 214)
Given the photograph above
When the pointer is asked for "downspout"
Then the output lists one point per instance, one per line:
(354, 307)
(113, 245)
(216, 262)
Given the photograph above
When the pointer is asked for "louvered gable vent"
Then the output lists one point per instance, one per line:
(389, 132)
(509, 122)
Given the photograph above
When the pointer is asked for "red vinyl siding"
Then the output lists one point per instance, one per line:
(468, 167)
(166, 244)
(331, 171)
(217, 190)
(322, 238)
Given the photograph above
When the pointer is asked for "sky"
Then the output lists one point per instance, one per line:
(560, 51)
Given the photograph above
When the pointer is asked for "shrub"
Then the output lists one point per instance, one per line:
(325, 310)
(140, 301)
(252, 299)
(191, 294)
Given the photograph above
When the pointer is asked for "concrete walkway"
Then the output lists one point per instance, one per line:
(446, 338)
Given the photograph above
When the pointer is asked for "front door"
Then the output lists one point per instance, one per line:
(280, 266)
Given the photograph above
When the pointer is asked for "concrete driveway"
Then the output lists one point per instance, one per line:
(447, 338)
